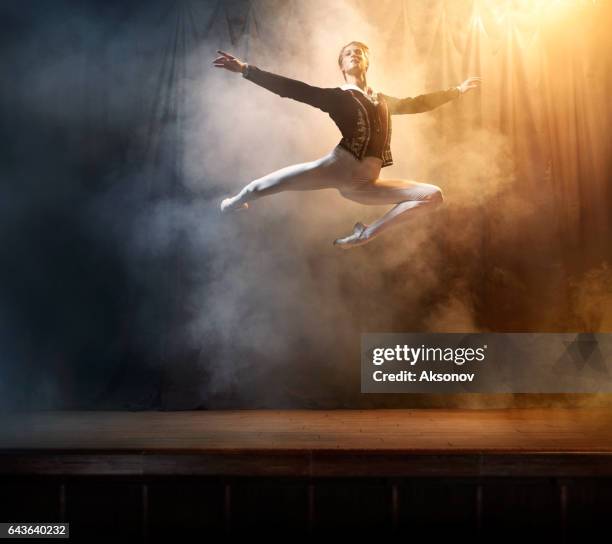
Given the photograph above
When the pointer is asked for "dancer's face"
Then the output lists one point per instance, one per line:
(354, 60)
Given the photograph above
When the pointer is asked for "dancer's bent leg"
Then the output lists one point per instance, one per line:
(307, 176)
(411, 198)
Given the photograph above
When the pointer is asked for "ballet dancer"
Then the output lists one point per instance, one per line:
(353, 166)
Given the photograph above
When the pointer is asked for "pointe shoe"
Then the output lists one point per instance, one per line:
(227, 205)
(356, 238)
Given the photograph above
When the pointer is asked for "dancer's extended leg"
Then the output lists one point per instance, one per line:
(411, 198)
(307, 176)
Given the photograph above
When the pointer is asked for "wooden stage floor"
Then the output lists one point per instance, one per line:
(508, 442)
(530, 474)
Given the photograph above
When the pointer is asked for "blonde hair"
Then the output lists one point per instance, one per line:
(366, 51)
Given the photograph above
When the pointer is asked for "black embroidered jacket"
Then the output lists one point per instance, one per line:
(365, 123)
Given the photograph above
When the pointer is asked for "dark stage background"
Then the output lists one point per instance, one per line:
(123, 287)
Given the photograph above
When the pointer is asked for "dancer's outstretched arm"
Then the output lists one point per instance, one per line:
(430, 101)
(319, 97)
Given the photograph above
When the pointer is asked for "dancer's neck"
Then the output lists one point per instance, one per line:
(359, 81)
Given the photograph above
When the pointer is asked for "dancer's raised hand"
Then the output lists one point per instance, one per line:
(229, 62)
(469, 83)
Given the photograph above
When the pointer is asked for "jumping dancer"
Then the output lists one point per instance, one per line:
(353, 167)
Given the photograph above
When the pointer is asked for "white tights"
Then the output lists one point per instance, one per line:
(356, 180)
